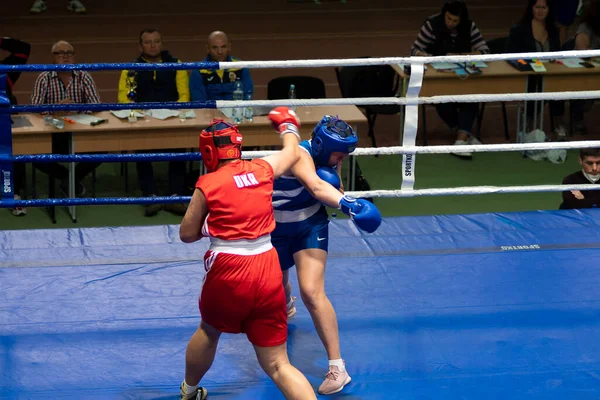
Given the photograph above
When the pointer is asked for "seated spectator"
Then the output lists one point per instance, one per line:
(162, 85)
(587, 37)
(451, 32)
(19, 54)
(207, 84)
(63, 88)
(537, 32)
(75, 6)
(589, 159)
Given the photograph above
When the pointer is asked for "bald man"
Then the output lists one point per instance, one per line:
(207, 84)
(65, 87)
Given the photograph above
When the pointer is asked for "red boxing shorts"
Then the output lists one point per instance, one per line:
(244, 294)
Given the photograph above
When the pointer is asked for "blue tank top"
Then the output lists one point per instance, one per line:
(291, 201)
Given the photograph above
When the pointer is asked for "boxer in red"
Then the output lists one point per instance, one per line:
(242, 291)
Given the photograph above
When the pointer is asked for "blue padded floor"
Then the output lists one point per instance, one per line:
(490, 306)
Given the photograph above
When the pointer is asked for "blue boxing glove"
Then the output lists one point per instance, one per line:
(364, 213)
(330, 176)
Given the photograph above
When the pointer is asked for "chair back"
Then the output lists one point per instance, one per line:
(369, 81)
(307, 87)
(498, 45)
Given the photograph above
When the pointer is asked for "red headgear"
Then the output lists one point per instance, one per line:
(220, 141)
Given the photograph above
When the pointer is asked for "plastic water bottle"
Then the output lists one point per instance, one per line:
(55, 122)
(248, 111)
(292, 95)
(132, 116)
(238, 95)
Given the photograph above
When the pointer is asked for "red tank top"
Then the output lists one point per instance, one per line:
(239, 200)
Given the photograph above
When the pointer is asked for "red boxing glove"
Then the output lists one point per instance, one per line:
(285, 121)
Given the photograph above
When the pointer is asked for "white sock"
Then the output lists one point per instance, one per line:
(338, 363)
(187, 389)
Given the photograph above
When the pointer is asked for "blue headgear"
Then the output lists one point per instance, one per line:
(330, 135)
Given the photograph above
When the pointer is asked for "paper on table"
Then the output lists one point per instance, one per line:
(162, 113)
(538, 67)
(444, 65)
(448, 65)
(20, 121)
(572, 62)
(123, 114)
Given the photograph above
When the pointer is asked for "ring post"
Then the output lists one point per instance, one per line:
(6, 144)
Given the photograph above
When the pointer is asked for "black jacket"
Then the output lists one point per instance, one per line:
(157, 85)
(444, 43)
(591, 197)
(521, 40)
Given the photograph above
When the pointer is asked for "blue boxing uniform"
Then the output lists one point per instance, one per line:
(302, 221)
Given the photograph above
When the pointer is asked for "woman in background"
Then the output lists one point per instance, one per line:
(537, 32)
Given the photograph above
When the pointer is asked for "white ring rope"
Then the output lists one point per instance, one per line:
(476, 148)
(408, 60)
(472, 190)
(463, 98)
(413, 99)
(409, 150)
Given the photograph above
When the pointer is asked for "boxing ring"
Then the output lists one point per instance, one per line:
(494, 306)
(455, 307)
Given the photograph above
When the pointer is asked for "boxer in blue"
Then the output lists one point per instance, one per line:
(301, 234)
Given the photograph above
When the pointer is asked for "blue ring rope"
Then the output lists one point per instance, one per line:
(6, 108)
(30, 108)
(10, 203)
(111, 66)
(48, 158)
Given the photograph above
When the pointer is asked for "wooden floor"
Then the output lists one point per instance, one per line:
(264, 30)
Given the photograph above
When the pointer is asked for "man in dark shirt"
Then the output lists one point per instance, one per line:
(206, 84)
(589, 174)
(157, 86)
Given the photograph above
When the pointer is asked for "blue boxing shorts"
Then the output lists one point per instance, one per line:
(290, 237)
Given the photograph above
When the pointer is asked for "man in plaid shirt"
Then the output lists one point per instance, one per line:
(65, 87)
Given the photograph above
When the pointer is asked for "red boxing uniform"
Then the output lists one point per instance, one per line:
(242, 290)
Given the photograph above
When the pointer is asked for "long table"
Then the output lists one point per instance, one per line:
(559, 78)
(149, 133)
(500, 77)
